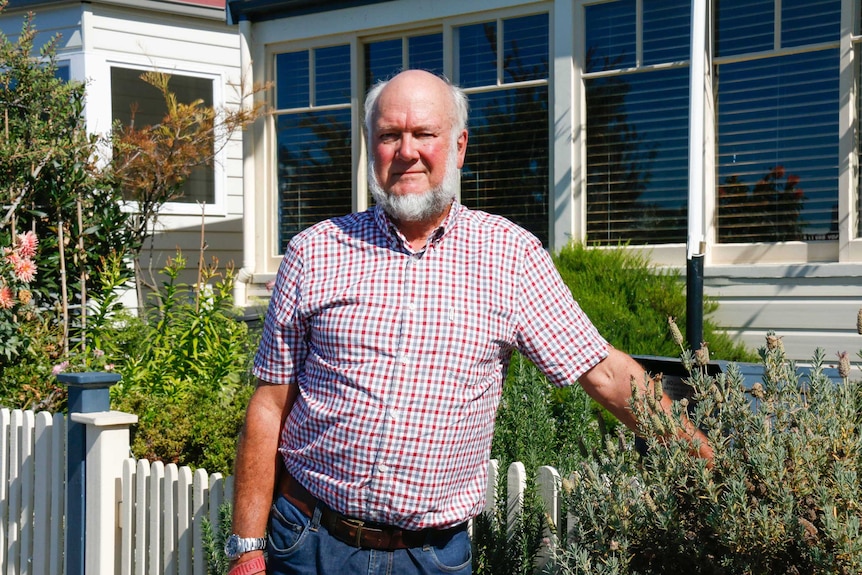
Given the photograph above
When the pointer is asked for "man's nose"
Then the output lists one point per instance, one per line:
(407, 149)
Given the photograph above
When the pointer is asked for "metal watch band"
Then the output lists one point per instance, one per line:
(236, 545)
(256, 565)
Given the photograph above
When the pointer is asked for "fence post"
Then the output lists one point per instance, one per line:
(97, 443)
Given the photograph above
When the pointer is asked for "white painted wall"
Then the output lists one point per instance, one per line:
(808, 305)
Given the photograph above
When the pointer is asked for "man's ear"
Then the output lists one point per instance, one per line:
(461, 143)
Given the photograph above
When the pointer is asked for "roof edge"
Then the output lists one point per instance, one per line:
(209, 9)
(261, 10)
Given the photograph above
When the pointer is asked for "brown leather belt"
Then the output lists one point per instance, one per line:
(357, 533)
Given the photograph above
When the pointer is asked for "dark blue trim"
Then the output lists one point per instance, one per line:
(262, 10)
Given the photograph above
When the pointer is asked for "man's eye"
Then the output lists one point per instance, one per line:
(388, 137)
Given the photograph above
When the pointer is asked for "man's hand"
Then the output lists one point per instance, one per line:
(610, 383)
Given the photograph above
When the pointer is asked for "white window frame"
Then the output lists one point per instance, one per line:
(847, 248)
(218, 207)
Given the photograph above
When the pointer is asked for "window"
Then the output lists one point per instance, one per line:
(637, 96)
(313, 138)
(777, 94)
(385, 58)
(62, 72)
(131, 95)
(503, 67)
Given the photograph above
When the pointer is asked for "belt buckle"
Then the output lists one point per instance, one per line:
(358, 524)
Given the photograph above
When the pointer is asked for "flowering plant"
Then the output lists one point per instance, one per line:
(17, 270)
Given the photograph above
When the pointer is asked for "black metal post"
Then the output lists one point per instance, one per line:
(694, 301)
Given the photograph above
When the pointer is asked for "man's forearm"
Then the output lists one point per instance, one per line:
(257, 464)
(609, 383)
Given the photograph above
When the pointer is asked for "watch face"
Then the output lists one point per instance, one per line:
(231, 546)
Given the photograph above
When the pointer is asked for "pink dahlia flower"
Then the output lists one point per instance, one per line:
(25, 270)
(7, 298)
(26, 244)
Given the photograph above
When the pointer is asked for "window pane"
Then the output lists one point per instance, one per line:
(332, 75)
(525, 48)
(637, 158)
(477, 55)
(506, 170)
(129, 92)
(426, 53)
(745, 26)
(666, 31)
(611, 35)
(382, 60)
(810, 21)
(62, 72)
(314, 170)
(778, 148)
(291, 80)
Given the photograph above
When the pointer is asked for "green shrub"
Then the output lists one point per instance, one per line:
(29, 382)
(186, 373)
(629, 300)
(200, 428)
(783, 495)
(541, 424)
(214, 537)
(503, 549)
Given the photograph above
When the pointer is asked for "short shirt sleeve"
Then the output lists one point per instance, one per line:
(283, 346)
(555, 334)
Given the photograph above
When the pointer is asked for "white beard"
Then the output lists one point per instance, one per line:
(418, 207)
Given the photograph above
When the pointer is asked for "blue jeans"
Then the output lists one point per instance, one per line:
(299, 545)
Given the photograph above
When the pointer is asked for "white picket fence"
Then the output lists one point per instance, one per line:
(32, 492)
(161, 515)
(156, 512)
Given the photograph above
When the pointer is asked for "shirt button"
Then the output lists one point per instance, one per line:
(382, 468)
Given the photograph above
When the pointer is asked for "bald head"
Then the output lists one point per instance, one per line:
(421, 84)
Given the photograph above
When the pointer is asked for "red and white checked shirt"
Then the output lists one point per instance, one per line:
(400, 358)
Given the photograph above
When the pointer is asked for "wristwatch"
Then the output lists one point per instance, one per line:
(236, 545)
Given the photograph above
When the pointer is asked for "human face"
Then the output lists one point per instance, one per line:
(420, 207)
(412, 142)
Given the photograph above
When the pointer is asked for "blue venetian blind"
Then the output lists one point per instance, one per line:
(313, 138)
(777, 116)
(506, 169)
(637, 122)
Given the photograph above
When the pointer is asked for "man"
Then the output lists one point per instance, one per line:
(385, 348)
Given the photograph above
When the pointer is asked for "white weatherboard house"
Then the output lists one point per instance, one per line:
(108, 44)
(589, 120)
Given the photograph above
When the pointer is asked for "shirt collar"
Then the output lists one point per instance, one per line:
(385, 224)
